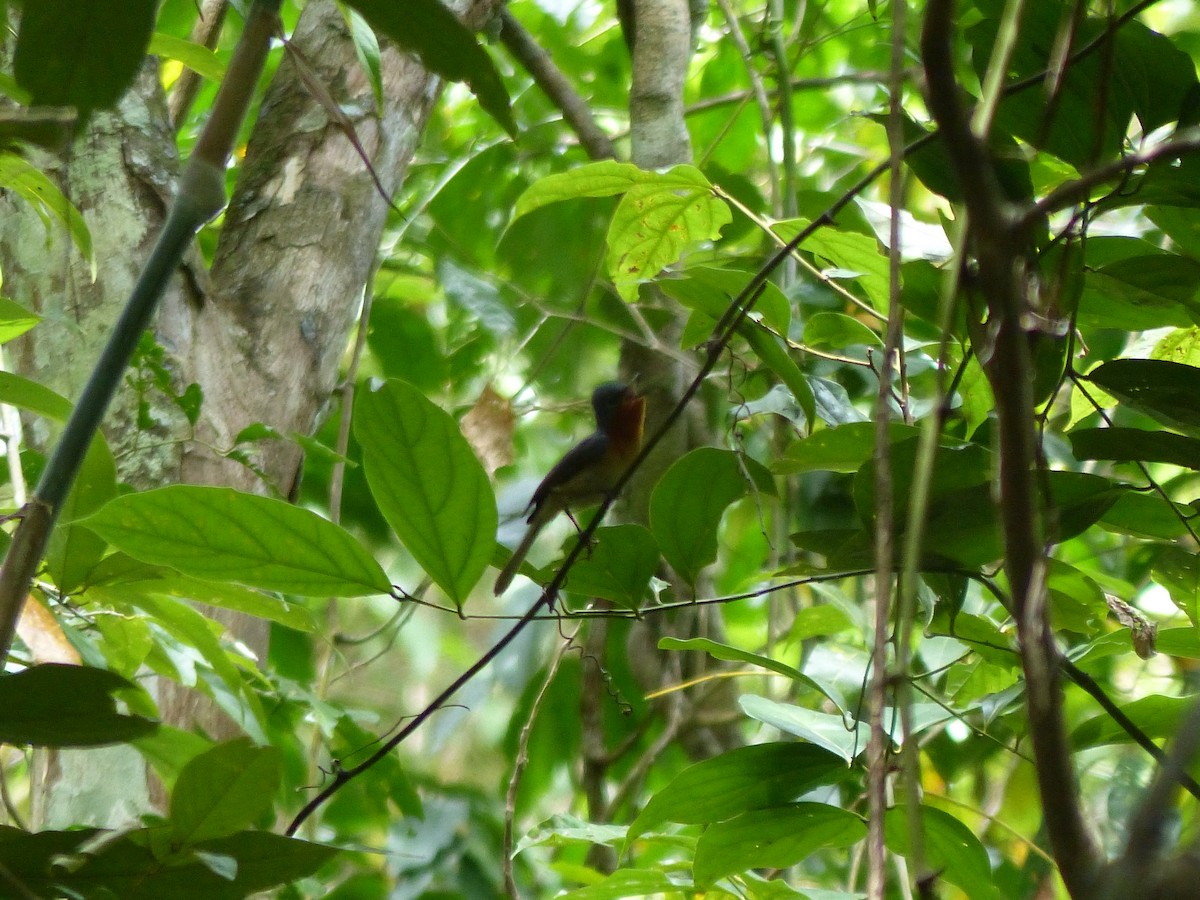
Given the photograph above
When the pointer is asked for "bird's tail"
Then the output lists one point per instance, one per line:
(509, 572)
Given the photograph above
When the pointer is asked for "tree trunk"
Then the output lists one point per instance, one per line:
(262, 336)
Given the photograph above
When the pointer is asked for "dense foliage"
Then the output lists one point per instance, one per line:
(833, 650)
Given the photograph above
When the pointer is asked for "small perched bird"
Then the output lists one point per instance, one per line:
(590, 470)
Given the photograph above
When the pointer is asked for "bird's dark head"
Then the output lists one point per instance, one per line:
(620, 412)
(608, 398)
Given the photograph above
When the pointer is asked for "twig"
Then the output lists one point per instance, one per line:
(758, 91)
(998, 252)
(1078, 191)
(519, 764)
(554, 84)
(207, 33)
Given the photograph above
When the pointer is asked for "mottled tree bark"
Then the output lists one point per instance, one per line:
(264, 333)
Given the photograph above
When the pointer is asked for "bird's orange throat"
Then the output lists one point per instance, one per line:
(626, 430)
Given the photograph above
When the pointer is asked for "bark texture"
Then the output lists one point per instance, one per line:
(263, 335)
(120, 174)
(295, 252)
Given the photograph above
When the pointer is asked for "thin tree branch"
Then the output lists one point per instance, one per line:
(1079, 190)
(207, 33)
(550, 79)
(519, 764)
(999, 255)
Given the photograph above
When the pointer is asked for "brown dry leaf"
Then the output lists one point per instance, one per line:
(488, 428)
(41, 633)
(1142, 631)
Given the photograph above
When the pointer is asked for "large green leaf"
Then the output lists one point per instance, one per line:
(1130, 444)
(619, 567)
(127, 575)
(748, 778)
(429, 29)
(54, 705)
(428, 484)
(72, 550)
(1157, 716)
(219, 534)
(1141, 292)
(1178, 570)
(82, 55)
(777, 838)
(1141, 73)
(834, 734)
(223, 790)
(198, 634)
(127, 865)
(659, 215)
(687, 504)
(951, 849)
(1163, 390)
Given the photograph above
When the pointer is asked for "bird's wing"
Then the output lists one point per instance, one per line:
(585, 455)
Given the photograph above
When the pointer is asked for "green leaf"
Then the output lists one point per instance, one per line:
(105, 864)
(619, 567)
(197, 57)
(1129, 444)
(15, 319)
(1141, 292)
(851, 255)
(82, 56)
(1183, 344)
(841, 449)
(54, 705)
(169, 749)
(73, 550)
(777, 838)
(627, 883)
(655, 221)
(445, 46)
(223, 790)
(829, 732)
(659, 215)
(710, 290)
(1157, 715)
(1076, 601)
(733, 654)
(47, 201)
(600, 179)
(819, 621)
(951, 849)
(1165, 391)
(144, 578)
(1178, 570)
(219, 534)
(428, 484)
(366, 48)
(1147, 515)
(737, 781)
(189, 627)
(838, 331)
(770, 350)
(26, 394)
(687, 504)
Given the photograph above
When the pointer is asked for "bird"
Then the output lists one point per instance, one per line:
(589, 471)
